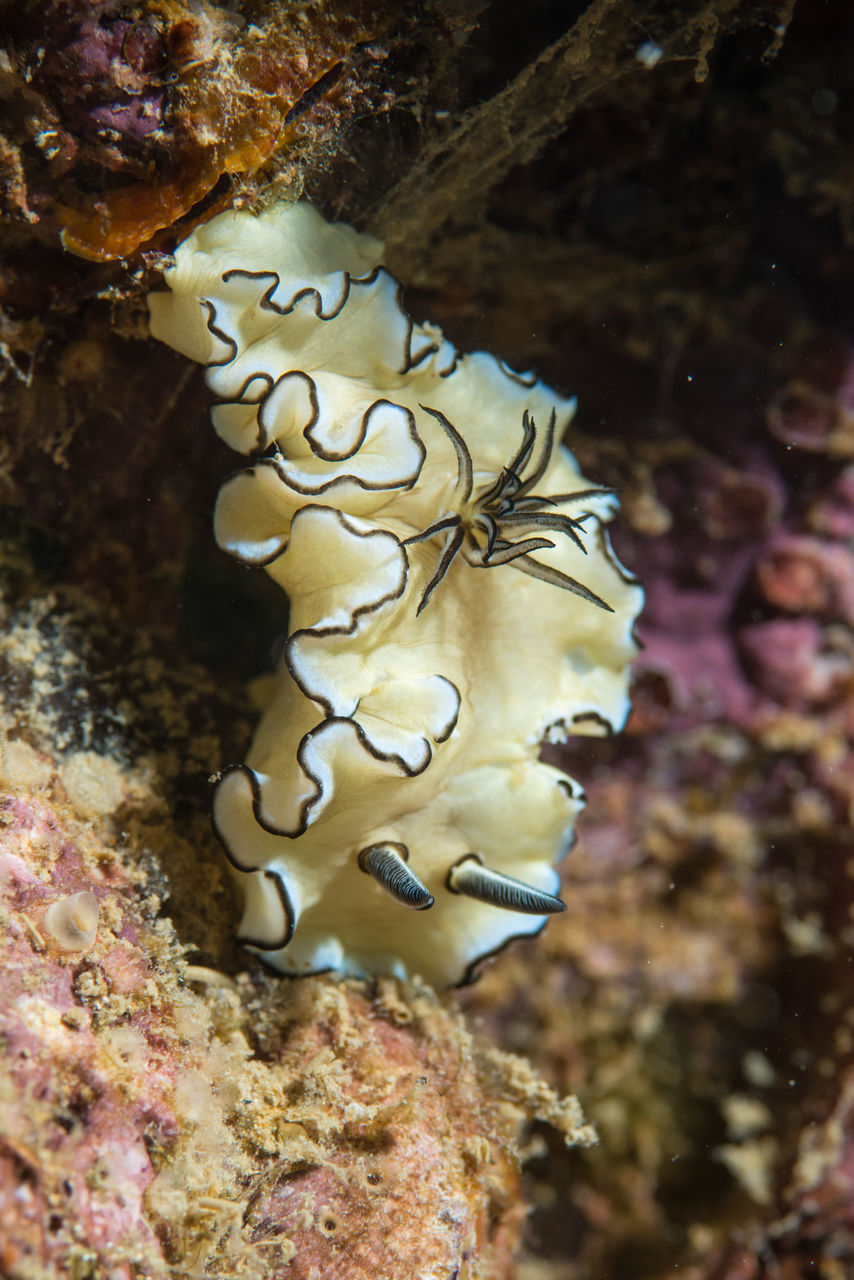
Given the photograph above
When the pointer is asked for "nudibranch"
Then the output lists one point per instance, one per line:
(454, 601)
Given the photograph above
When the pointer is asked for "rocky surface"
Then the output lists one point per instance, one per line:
(161, 1118)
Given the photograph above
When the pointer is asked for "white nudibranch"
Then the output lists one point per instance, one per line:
(454, 600)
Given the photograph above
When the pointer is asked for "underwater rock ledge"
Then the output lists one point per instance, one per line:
(164, 1118)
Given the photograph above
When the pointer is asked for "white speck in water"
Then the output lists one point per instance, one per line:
(649, 53)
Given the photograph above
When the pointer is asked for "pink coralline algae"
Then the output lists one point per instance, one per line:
(109, 74)
(742, 601)
(802, 574)
(79, 1115)
(690, 666)
(161, 1119)
(791, 661)
(689, 662)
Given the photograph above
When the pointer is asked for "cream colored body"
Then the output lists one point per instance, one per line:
(419, 729)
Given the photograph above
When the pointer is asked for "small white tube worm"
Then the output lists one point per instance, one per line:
(72, 922)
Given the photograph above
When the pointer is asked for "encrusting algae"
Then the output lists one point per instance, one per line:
(231, 94)
(185, 1124)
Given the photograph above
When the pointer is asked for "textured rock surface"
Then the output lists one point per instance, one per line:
(163, 1118)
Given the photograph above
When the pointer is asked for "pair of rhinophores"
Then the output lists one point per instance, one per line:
(453, 601)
